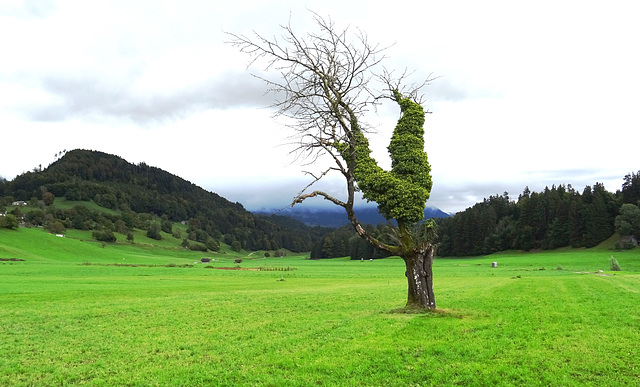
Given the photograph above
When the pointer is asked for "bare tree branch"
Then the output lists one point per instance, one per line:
(302, 196)
(313, 194)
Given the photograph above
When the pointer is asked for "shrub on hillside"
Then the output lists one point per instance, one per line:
(48, 198)
(236, 246)
(9, 221)
(55, 226)
(212, 244)
(167, 226)
(103, 235)
(154, 232)
(197, 247)
(614, 265)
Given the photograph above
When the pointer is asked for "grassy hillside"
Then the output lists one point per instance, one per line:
(70, 316)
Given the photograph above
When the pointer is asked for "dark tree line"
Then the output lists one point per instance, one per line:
(630, 192)
(556, 217)
(148, 198)
(344, 241)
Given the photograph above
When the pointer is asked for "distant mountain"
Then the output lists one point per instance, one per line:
(335, 217)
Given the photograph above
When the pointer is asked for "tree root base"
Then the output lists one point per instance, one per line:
(415, 310)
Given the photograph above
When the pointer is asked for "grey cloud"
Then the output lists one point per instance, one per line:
(443, 89)
(451, 197)
(458, 197)
(241, 89)
(100, 95)
(256, 194)
(39, 8)
(97, 96)
(29, 9)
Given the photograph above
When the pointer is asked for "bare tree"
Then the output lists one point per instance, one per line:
(327, 81)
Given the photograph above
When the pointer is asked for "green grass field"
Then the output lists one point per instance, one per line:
(77, 313)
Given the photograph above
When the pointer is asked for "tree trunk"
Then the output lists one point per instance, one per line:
(419, 274)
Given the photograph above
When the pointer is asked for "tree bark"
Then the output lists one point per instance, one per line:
(419, 274)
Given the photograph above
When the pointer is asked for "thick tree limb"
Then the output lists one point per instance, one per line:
(300, 198)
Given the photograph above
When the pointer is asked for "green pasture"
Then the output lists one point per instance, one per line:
(78, 312)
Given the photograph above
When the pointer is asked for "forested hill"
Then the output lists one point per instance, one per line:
(113, 183)
(556, 217)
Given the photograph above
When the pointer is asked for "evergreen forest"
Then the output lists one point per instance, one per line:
(556, 217)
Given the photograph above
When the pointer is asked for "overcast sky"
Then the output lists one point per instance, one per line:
(529, 93)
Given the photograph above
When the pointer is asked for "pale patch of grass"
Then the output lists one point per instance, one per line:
(65, 204)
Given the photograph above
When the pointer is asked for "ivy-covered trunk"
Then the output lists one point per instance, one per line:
(419, 274)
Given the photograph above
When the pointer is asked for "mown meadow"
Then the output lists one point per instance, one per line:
(77, 312)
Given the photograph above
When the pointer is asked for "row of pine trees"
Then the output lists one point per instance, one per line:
(556, 217)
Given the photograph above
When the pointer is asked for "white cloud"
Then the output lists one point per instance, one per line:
(530, 94)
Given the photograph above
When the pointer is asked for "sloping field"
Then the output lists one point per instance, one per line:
(77, 313)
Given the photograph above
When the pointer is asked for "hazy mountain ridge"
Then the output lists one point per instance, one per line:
(336, 217)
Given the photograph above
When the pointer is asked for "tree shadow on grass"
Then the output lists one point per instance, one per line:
(427, 312)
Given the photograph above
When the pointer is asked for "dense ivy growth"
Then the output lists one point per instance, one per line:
(402, 192)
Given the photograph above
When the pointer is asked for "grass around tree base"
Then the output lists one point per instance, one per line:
(70, 316)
